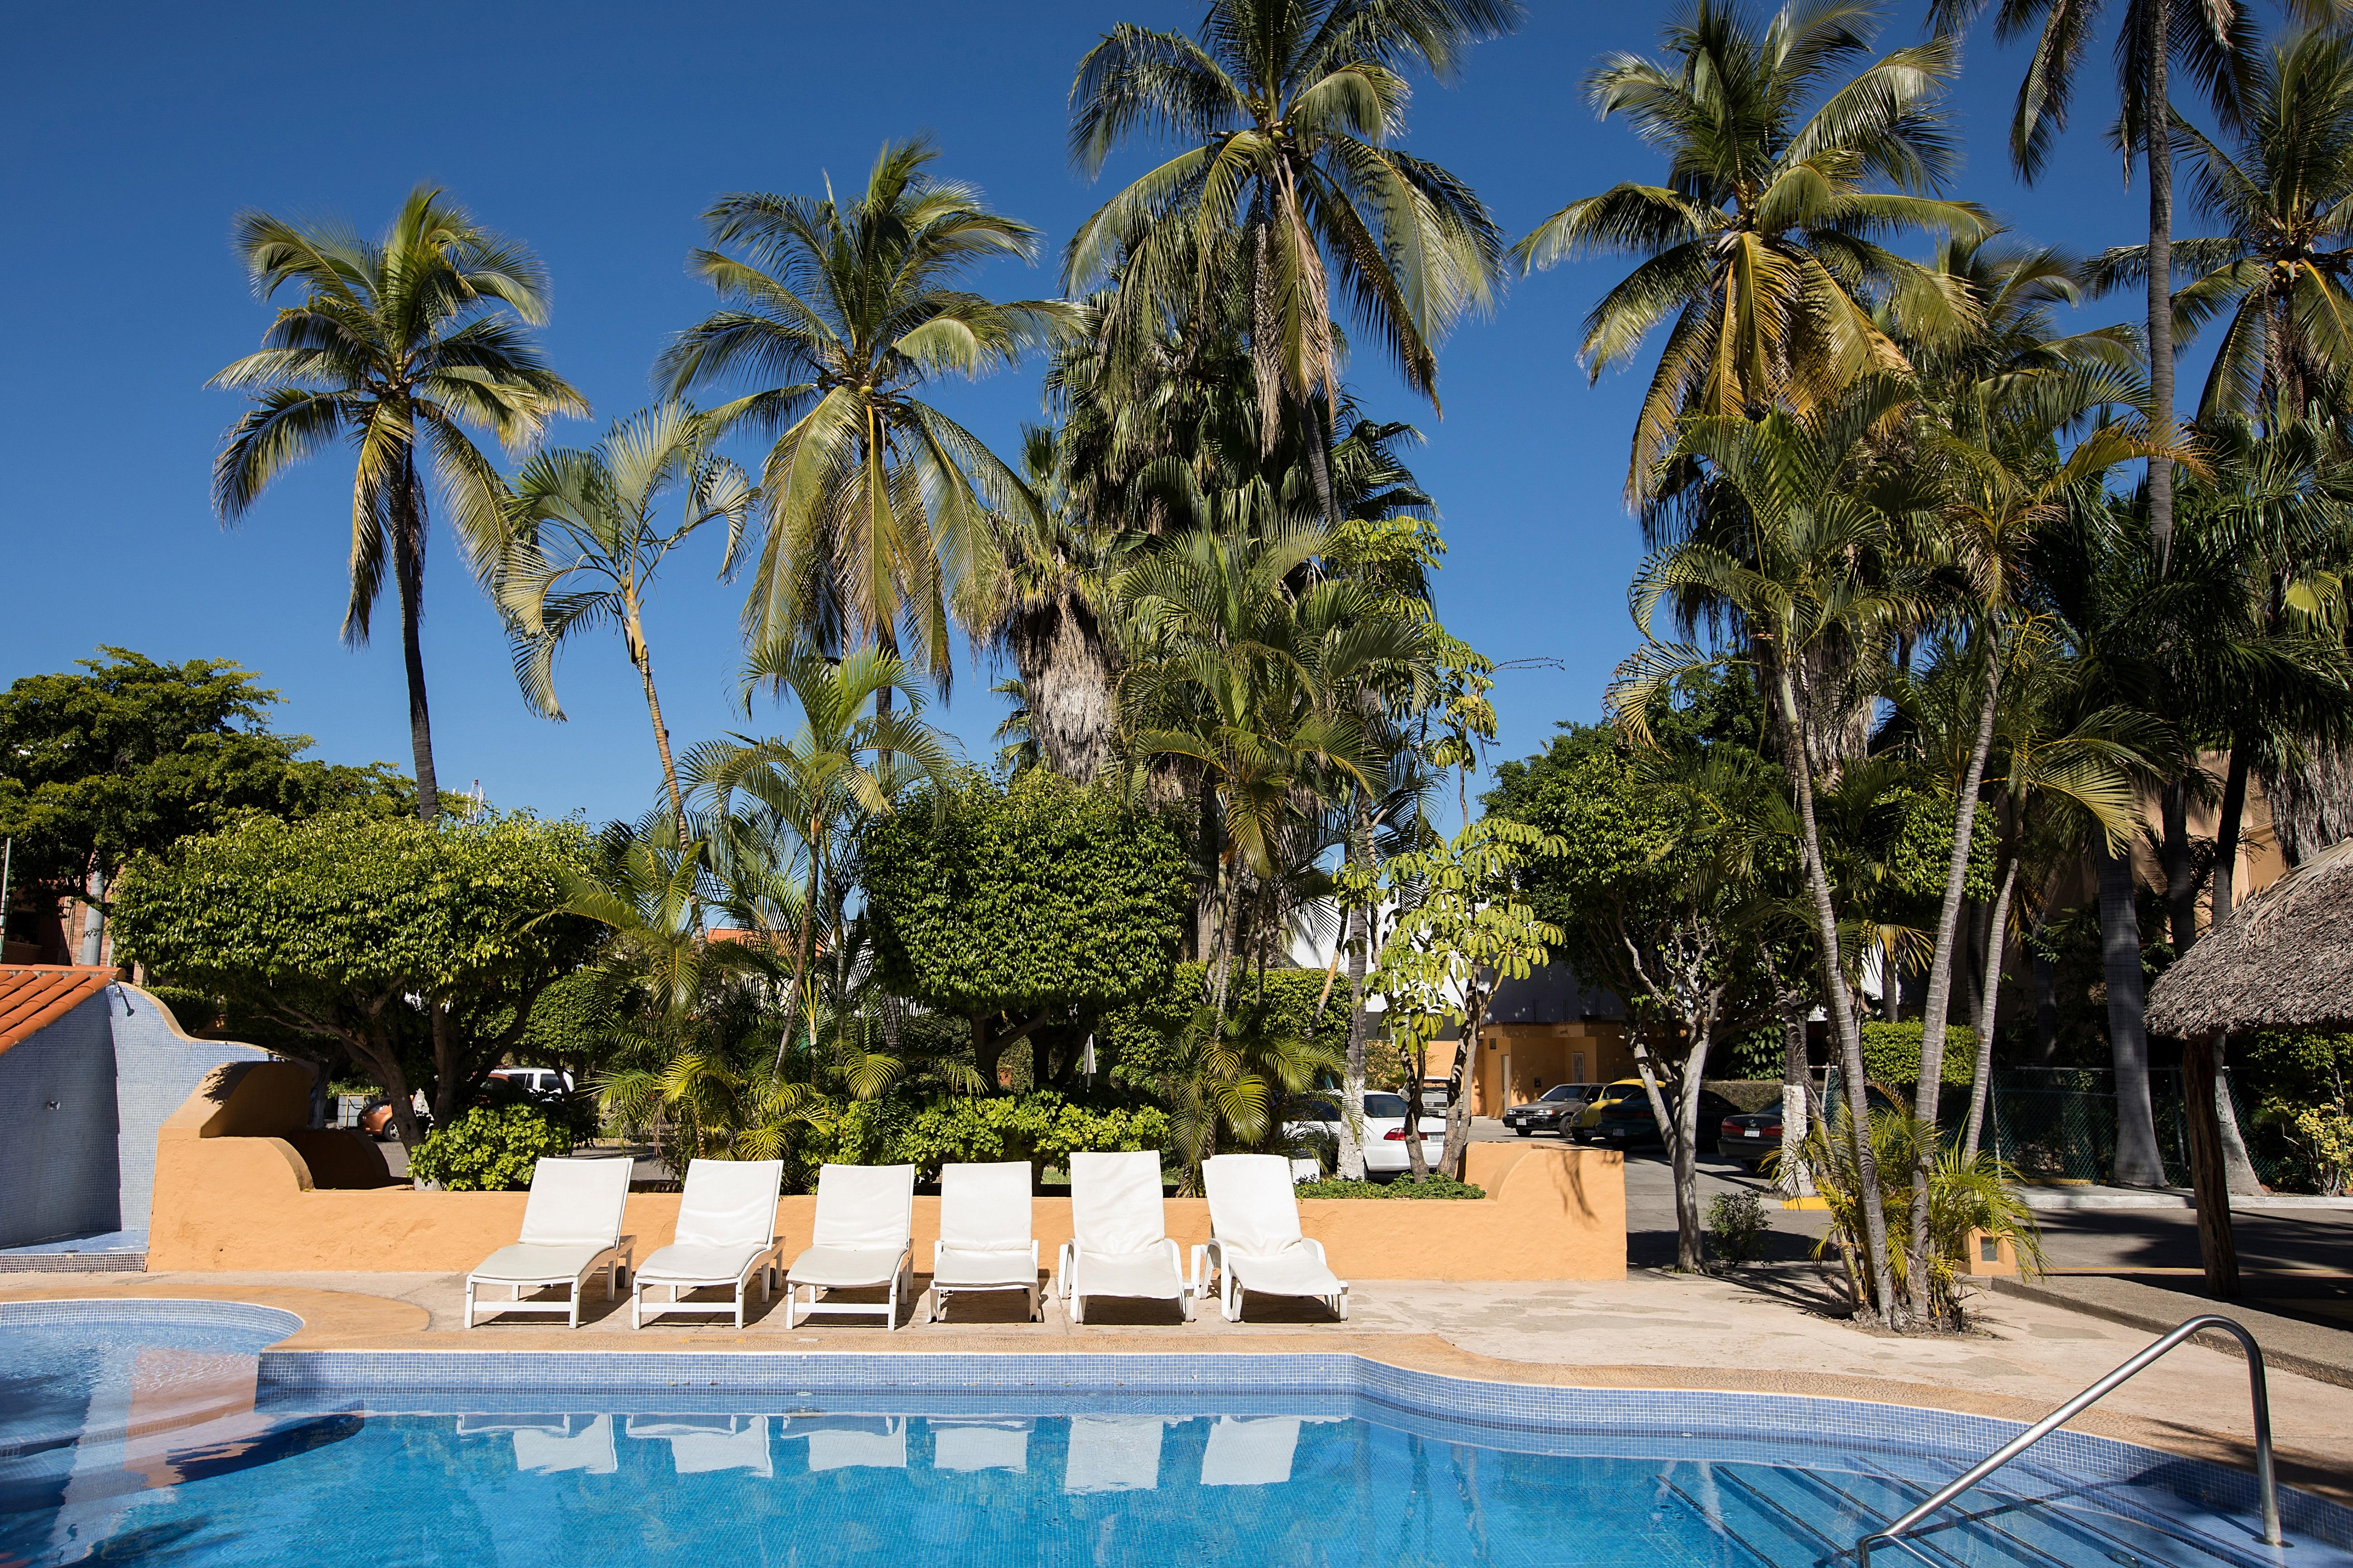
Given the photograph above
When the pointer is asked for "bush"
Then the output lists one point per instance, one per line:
(1438, 1186)
(1891, 1054)
(1043, 1128)
(1737, 1221)
(1137, 1044)
(490, 1149)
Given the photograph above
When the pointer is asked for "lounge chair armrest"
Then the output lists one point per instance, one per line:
(1063, 1258)
(1200, 1251)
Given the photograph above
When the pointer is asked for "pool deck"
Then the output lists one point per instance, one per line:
(1764, 1331)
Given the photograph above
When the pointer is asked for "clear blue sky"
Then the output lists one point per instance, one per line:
(598, 133)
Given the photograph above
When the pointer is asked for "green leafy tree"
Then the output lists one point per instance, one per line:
(583, 544)
(134, 754)
(1464, 926)
(369, 933)
(398, 346)
(1023, 905)
(490, 1149)
(877, 502)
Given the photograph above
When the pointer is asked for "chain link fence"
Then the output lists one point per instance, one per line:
(2058, 1124)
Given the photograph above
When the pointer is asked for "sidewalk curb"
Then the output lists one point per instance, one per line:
(2323, 1354)
(2043, 1200)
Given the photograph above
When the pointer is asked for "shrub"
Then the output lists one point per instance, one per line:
(1438, 1186)
(1891, 1054)
(1736, 1222)
(490, 1149)
(1138, 1044)
(1041, 1127)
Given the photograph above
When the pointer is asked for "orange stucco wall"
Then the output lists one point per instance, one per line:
(247, 1203)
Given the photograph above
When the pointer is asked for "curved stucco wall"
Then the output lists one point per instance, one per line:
(247, 1201)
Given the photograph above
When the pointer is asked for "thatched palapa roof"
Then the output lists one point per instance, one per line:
(2283, 961)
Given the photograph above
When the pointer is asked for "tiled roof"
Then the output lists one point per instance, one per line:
(33, 996)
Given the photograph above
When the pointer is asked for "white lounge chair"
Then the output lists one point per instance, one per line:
(1255, 1242)
(571, 1227)
(863, 1237)
(1120, 1245)
(984, 1238)
(726, 1232)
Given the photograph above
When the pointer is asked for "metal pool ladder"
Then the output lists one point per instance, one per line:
(2256, 1389)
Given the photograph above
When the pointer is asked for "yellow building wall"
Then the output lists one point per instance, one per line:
(1518, 1062)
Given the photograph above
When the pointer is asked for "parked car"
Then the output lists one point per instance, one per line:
(377, 1123)
(1551, 1110)
(1752, 1135)
(534, 1081)
(1628, 1124)
(1318, 1117)
(1580, 1128)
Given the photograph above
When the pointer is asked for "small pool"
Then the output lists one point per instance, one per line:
(121, 1440)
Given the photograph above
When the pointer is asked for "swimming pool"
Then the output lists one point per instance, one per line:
(666, 1460)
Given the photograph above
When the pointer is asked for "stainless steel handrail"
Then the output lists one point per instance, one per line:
(2257, 1390)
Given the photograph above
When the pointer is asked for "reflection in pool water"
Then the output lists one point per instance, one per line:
(160, 1466)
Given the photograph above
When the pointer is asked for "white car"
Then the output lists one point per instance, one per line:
(1385, 1149)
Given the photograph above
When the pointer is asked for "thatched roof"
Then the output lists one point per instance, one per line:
(2283, 961)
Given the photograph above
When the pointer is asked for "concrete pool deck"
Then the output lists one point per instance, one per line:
(1764, 1331)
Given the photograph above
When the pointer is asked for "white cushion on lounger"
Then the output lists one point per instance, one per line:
(1116, 1201)
(709, 1265)
(864, 1206)
(1153, 1274)
(524, 1263)
(574, 1202)
(841, 1266)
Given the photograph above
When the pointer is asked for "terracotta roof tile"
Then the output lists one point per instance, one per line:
(33, 996)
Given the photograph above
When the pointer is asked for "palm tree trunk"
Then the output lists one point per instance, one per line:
(1940, 967)
(1789, 1000)
(2216, 1246)
(409, 574)
(1981, 1080)
(2157, 132)
(662, 742)
(2137, 1161)
(1358, 937)
(2180, 872)
(2238, 1170)
(1841, 1007)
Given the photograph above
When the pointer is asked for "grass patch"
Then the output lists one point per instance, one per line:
(1403, 1187)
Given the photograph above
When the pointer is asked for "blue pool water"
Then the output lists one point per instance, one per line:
(123, 1440)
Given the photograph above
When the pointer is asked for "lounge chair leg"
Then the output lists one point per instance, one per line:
(572, 1313)
(470, 1303)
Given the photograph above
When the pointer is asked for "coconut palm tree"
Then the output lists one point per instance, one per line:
(1762, 244)
(1289, 183)
(583, 543)
(1795, 589)
(398, 345)
(852, 757)
(2276, 275)
(1054, 603)
(876, 501)
(2214, 40)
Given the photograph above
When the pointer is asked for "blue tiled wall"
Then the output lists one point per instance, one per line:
(58, 1170)
(156, 1071)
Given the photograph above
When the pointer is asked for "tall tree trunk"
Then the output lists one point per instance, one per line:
(2157, 134)
(1691, 1252)
(661, 743)
(886, 638)
(1357, 934)
(1068, 686)
(408, 576)
(1939, 999)
(93, 915)
(2181, 866)
(2238, 1170)
(1455, 1153)
(1840, 1008)
(2216, 1246)
(2045, 973)
(1796, 1080)
(1988, 1003)
(2137, 1161)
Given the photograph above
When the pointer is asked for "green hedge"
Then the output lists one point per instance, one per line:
(1134, 1044)
(490, 1149)
(1041, 1127)
(1891, 1054)
(1403, 1187)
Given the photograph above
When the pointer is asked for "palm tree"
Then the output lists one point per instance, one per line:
(877, 502)
(583, 545)
(1794, 590)
(1763, 244)
(1289, 182)
(397, 343)
(852, 758)
(1054, 603)
(2214, 41)
(2277, 272)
